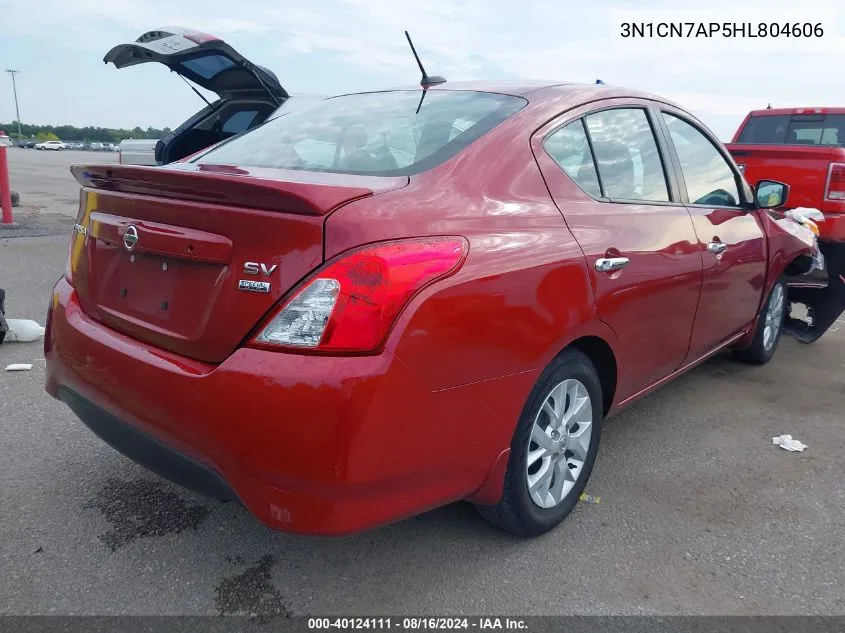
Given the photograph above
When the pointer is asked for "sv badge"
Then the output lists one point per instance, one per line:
(254, 268)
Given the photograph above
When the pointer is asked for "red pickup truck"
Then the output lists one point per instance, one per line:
(804, 148)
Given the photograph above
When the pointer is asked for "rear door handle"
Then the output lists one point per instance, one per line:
(716, 247)
(608, 264)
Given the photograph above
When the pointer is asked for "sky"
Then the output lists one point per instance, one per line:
(341, 46)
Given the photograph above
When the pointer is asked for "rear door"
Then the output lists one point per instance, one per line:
(638, 239)
(732, 239)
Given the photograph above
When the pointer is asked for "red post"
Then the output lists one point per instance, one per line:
(5, 189)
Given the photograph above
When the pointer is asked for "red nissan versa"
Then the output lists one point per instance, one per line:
(376, 306)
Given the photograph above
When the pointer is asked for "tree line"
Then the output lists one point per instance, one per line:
(89, 134)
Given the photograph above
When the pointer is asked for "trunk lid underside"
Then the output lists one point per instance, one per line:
(205, 59)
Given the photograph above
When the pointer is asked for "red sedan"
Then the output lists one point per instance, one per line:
(379, 305)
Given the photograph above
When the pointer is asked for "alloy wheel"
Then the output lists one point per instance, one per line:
(559, 443)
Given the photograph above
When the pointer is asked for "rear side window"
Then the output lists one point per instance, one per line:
(629, 163)
(372, 133)
(570, 149)
(796, 129)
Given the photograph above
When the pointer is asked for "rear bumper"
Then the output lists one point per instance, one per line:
(308, 444)
(147, 451)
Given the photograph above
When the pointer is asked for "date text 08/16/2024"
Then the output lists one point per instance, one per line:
(417, 623)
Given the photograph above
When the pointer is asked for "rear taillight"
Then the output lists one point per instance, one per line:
(835, 189)
(351, 304)
(79, 234)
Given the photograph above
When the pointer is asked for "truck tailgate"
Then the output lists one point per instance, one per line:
(803, 168)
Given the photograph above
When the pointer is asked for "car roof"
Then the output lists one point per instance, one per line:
(539, 90)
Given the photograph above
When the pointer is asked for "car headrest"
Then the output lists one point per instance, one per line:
(617, 168)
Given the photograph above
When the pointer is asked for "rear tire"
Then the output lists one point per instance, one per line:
(769, 328)
(553, 449)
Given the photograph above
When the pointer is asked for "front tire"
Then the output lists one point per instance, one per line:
(553, 449)
(769, 328)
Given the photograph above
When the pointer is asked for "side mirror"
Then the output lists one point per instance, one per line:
(770, 194)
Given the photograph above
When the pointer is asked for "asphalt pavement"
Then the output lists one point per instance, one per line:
(44, 180)
(698, 512)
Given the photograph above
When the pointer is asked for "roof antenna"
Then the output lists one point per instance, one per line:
(426, 82)
(769, 107)
(599, 82)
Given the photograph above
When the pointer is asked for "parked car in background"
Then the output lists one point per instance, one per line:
(137, 152)
(57, 146)
(27, 144)
(248, 94)
(384, 303)
(5, 141)
(805, 148)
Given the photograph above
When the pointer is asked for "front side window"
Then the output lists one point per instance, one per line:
(379, 134)
(708, 176)
(629, 163)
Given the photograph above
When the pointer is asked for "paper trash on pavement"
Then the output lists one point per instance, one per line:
(787, 443)
(19, 367)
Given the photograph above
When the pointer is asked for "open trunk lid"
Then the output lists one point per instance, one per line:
(189, 258)
(204, 59)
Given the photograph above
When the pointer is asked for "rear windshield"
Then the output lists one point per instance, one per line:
(378, 133)
(796, 129)
(208, 66)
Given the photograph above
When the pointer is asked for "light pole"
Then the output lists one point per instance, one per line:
(17, 110)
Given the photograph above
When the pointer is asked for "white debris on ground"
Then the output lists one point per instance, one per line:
(23, 331)
(19, 367)
(787, 443)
